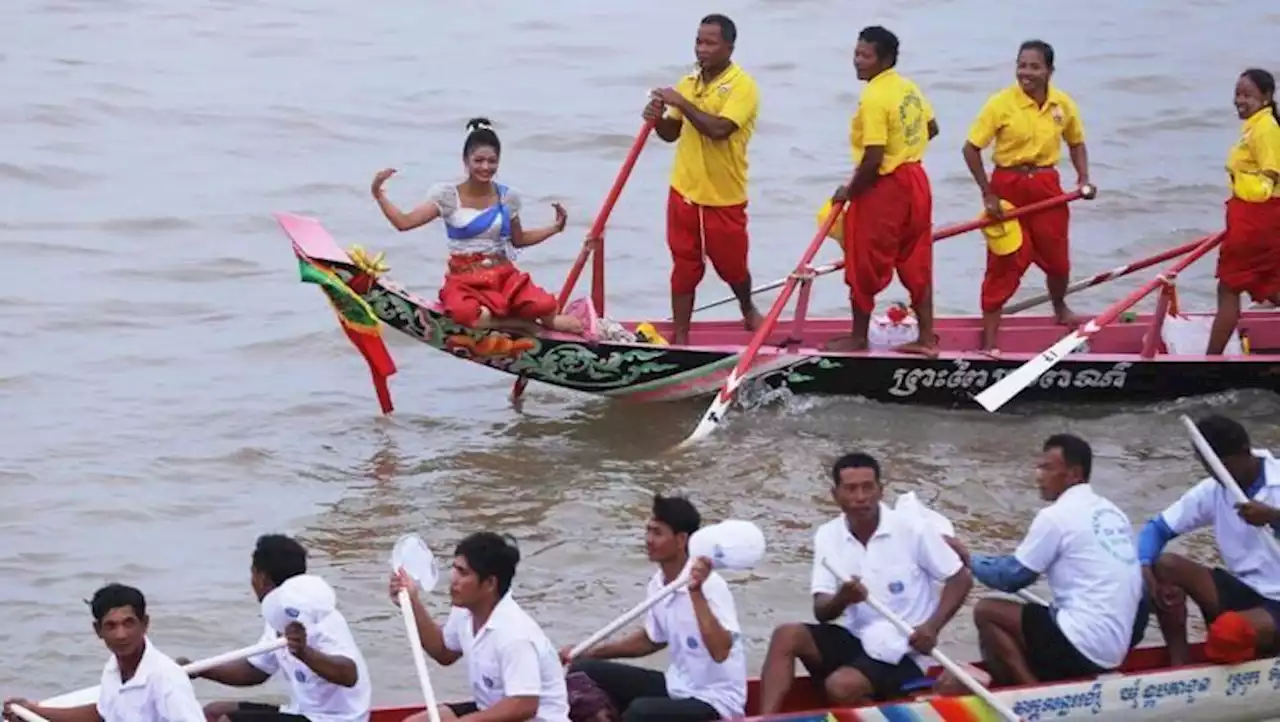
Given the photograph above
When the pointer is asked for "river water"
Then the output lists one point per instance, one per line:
(170, 391)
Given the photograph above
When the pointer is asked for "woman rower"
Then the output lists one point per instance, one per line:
(1249, 259)
(483, 288)
(1028, 121)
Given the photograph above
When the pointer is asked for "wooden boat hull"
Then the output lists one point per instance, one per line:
(793, 359)
(1145, 692)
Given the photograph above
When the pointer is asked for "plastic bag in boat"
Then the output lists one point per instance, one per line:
(587, 702)
(1189, 336)
(896, 327)
(730, 544)
(596, 327)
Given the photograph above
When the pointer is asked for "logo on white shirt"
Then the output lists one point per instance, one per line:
(1113, 533)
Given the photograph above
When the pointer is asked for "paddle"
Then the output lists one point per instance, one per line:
(412, 556)
(720, 404)
(1224, 477)
(999, 393)
(595, 235)
(89, 695)
(731, 544)
(956, 670)
(1088, 192)
(1101, 278)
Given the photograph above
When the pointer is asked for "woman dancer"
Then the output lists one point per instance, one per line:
(1249, 259)
(483, 288)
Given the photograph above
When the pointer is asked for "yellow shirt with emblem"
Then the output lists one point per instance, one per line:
(1025, 132)
(714, 172)
(1257, 151)
(892, 113)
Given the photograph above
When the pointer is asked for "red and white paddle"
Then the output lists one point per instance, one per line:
(1005, 389)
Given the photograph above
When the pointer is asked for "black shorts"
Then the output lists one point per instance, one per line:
(462, 709)
(1236, 596)
(258, 712)
(1052, 657)
(839, 648)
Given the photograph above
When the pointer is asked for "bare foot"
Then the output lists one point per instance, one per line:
(567, 324)
(1066, 317)
(919, 348)
(846, 343)
(680, 338)
(991, 353)
(752, 319)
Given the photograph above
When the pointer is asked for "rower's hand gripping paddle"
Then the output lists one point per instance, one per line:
(731, 544)
(412, 556)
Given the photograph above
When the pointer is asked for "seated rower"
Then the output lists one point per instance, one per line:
(326, 674)
(483, 288)
(1249, 257)
(1084, 544)
(1243, 597)
(512, 667)
(139, 683)
(896, 556)
(707, 677)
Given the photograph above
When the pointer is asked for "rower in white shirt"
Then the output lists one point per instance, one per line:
(897, 557)
(514, 671)
(139, 683)
(1084, 544)
(1241, 601)
(326, 673)
(707, 676)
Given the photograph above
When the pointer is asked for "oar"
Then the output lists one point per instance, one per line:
(595, 235)
(1224, 477)
(25, 714)
(731, 544)
(720, 404)
(89, 695)
(1088, 192)
(956, 670)
(1101, 278)
(414, 557)
(999, 393)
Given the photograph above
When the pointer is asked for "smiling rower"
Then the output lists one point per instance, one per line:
(140, 683)
(1028, 122)
(707, 677)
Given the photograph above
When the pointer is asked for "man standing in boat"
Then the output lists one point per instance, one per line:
(324, 669)
(140, 683)
(710, 115)
(895, 556)
(1084, 544)
(1241, 603)
(888, 224)
(1028, 121)
(512, 667)
(707, 677)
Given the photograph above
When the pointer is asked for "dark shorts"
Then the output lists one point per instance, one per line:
(641, 694)
(839, 648)
(1236, 596)
(1052, 657)
(461, 709)
(258, 712)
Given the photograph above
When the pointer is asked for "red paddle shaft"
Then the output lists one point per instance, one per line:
(595, 241)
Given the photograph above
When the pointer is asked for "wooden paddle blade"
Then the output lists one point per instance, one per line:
(1001, 392)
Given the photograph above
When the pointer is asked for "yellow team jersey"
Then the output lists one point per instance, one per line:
(714, 172)
(1257, 151)
(892, 113)
(1026, 133)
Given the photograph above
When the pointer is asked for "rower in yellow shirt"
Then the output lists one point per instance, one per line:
(1249, 258)
(710, 115)
(1028, 122)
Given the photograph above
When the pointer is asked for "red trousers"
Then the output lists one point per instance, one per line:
(696, 233)
(502, 288)
(1044, 235)
(890, 227)
(1249, 259)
